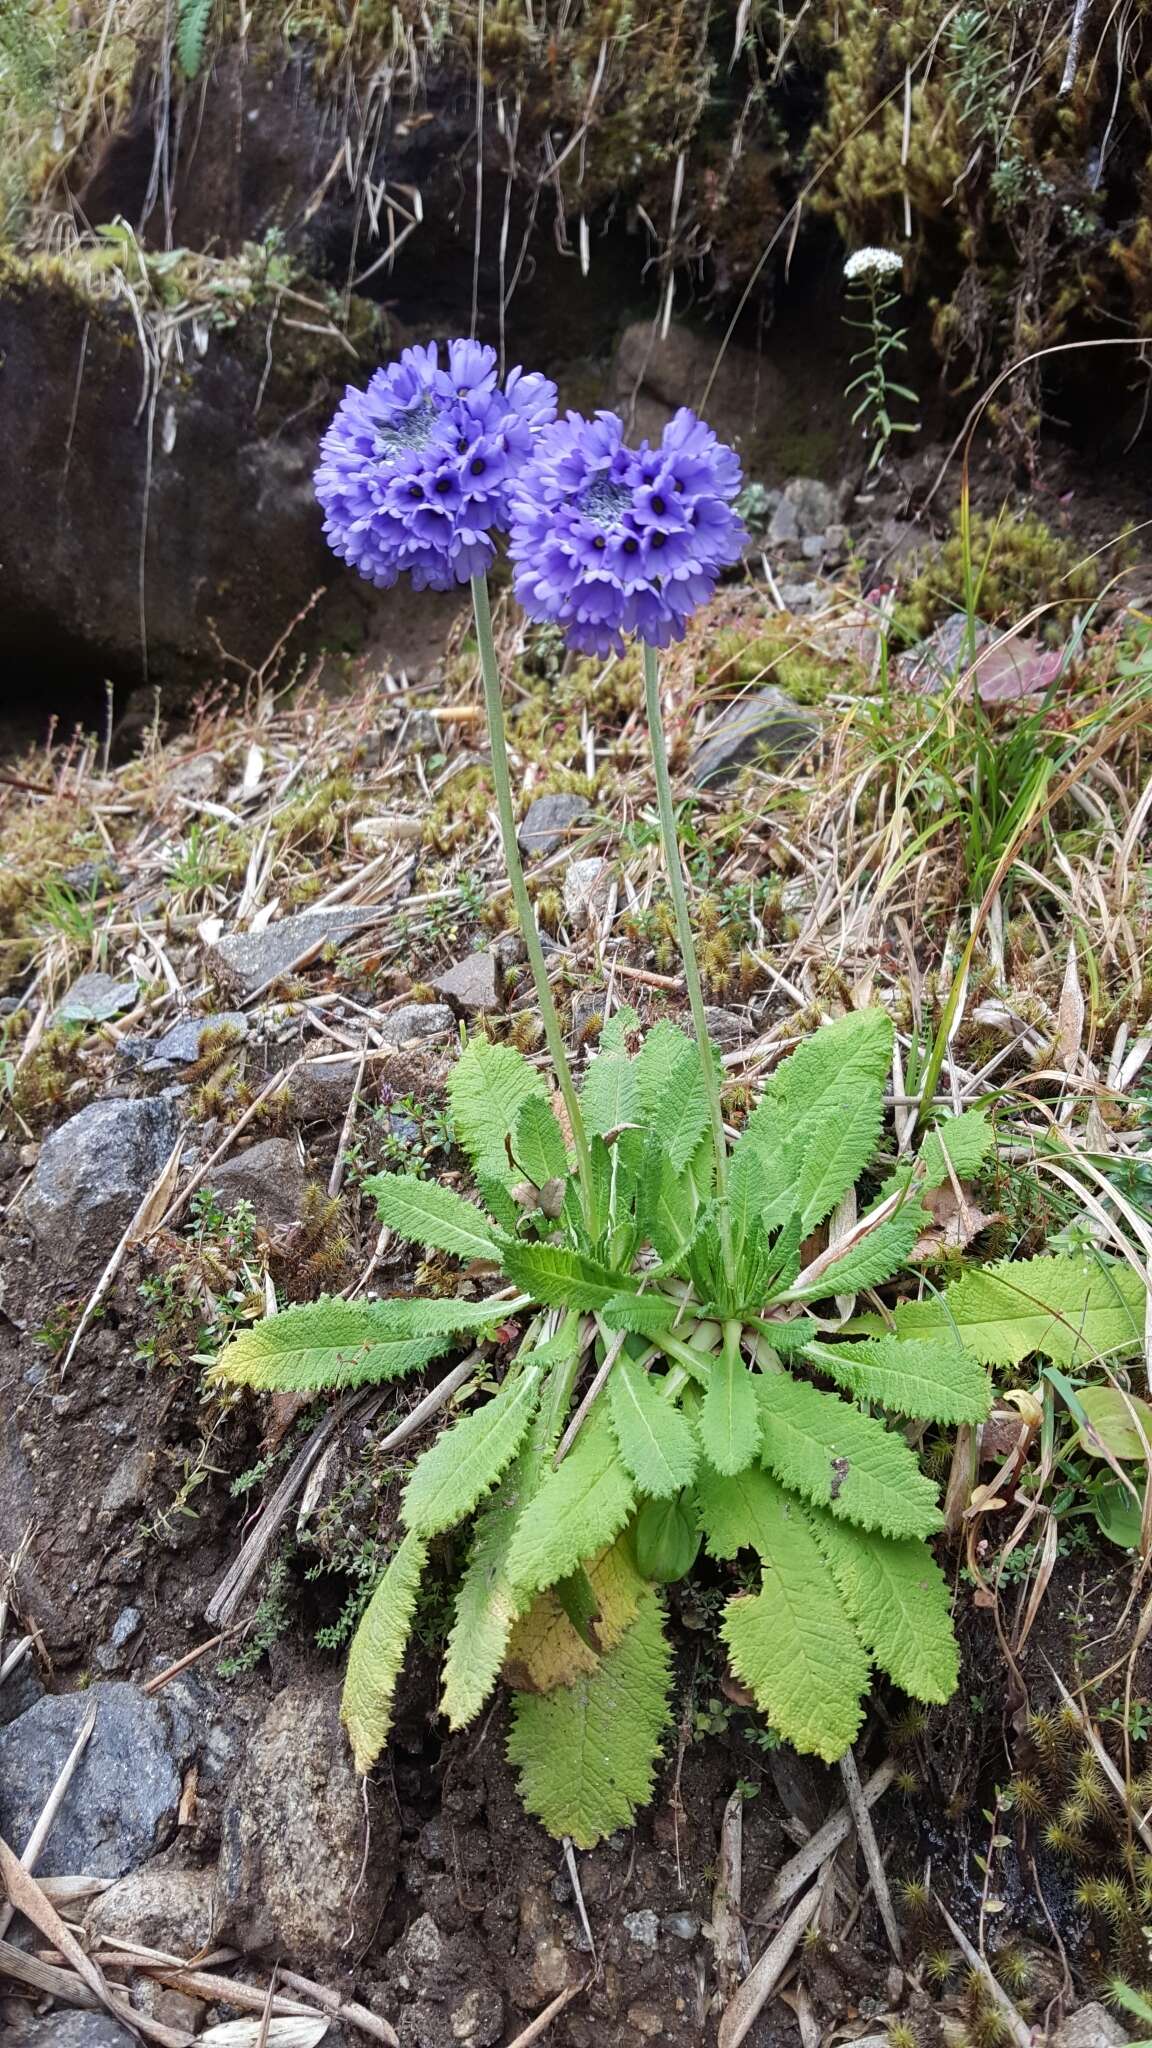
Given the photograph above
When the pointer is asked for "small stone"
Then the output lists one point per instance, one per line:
(180, 1045)
(158, 1905)
(197, 778)
(92, 1174)
(681, 1926)
(420, 733)
(416, 1020)
(802, 597)
(293, 1832)
(586, 1009)
(269, 1175)
(433, 1843)
(320, 1090)
(247, 961)
(93, 877)
(548, 822)
(836, 540)
(587, 885)
(768, 721)
(783, 529)
(643, 1928)
(111, 1655)
(76, 2030)
(20, 1690)
(814, 547)
(479, 2018)
(1092, 2027)
(422, 1946)
(472, 986)
(94, 998)
(646, 2020)
(129, 1484)
(812, 503)
(725, 1028)
(123, 1799)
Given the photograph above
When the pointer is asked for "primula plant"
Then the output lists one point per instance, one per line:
(685, 1370)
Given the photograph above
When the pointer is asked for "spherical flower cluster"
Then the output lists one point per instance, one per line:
(866, 264)
(416, 470)
(609, 540)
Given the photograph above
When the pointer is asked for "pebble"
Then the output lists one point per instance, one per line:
(681, 1926)
(416, 1020)
(548, 822)
(123, 1800)
(643, 1928)
(472, 986)
(586, 888)
(245, 961)
(95, 998)
(179, 1046)
(91, 1175)
(768, 720)
(270, 1175)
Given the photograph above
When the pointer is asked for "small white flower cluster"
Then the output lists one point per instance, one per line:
(872, 263)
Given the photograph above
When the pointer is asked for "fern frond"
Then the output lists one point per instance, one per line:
(192, 18)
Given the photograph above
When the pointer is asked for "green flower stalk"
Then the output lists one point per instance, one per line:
(869, 275)
(501, 776)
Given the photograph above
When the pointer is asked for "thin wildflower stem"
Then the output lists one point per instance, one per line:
(673, 861)
(494, 709)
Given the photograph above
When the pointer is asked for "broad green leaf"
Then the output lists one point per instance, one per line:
(1123, 1422)
(897, 1597)
(682, 1115)
(561, 1278)
(818, 1122)
(932, 1377)
(539, 1142)
(1071, 1308)
(730, 1414)
(486, 1090)
(663, 1048)
(656, 1442)
(966, 1140)
(747, 1197)
(423, 1212)
(1117, 1515)
(487, 1603)
(792, 1643)
(330, 1343)
(736, 1513)
(666, 1209)
(579, 1508)
(610, 1097)
(570, 1626)
(587, 1753)
(616, 1031)
(467, 1459)
(649, 1314)
(825, 1450)
(378, 1651)
(880, 1254)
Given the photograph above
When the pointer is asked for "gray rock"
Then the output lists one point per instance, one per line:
(20, 1690)
(115, 1653)
(416, 1020)
(94, 998)
(769, 721)
(813, 504)
(1092, 2027)
(814, 547)
(479, 2018)
(586, 1007)
(802, 597)
(91, 1176)
(725, 1028)
(586, 887)
(420, 733)
(423, 1945)
(293, 1836)
(247, 960)
(320, 1091)
(270, 1175)
(179, 1046)
(783, 529)
(160, 1906)
(122, 1802)
(939, 659)
(654, 372)
(93, 877)
(548, 822)
(74, 2030)
(681, 1926)
(643, 1928)
(128, 1486)
(472, 986)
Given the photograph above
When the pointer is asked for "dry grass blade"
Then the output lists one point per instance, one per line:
(827, 1839)
(1020, 2030)
(36, 1840)
(346, 2010)
(27, 1898)
(744, 2009)
(729, 1944)
(858, 1807)
(539, 2026)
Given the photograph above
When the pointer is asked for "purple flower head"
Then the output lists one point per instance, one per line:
(416, 470)
(611, 540)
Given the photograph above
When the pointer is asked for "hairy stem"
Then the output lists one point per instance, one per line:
(494, 710)
(675, 867)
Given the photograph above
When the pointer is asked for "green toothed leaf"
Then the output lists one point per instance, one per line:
(330, 1343)
(561, 1278)
(487, 1088)
(580, 1507)
(466, 1460)
(730, 1414)
(378, 1651)
(897, 1597)
(929, 1377)
(836, 1458)
(539, 1143)
(1071, 1308)
(423, 1212)
(657, 1443)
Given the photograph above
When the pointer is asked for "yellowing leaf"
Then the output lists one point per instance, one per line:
(378, 1651)
(1122, 1422)
(579, 1508)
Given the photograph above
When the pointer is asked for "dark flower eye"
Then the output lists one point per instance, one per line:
(599, 543)
(461, 446)
(414, 491)
(658, 539)
(658, 505)
(478, 466)
(443, 484)
(631, 545)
